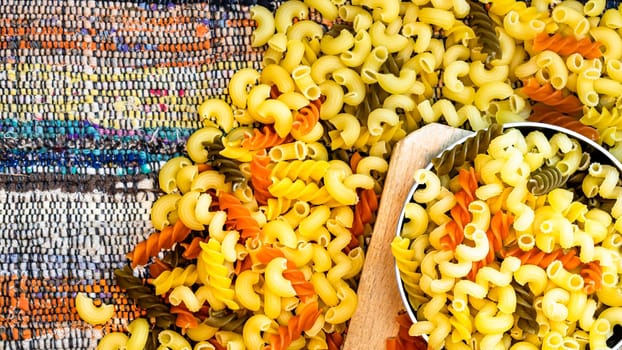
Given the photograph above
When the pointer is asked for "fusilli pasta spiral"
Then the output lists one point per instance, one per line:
(484, 28)
(553, 117)
(158, 241)
(566, 45)
(466, 151)
(144, 297)
(545, 179)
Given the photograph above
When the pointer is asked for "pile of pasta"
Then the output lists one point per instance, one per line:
(514, 245)
(260, 229)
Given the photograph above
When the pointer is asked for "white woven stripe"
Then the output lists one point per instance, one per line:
(88, 234)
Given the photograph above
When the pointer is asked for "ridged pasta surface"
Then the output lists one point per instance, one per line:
(566, 45)
(466, 151)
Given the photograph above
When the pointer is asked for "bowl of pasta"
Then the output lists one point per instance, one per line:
(510, 238)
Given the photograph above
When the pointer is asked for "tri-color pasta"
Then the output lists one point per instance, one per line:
(465, 152)
(544, 180)
(341, 81)
(144, 297)
(484, 28)
(567, 45)
(555, 117)
(513, 254)
(549, 96)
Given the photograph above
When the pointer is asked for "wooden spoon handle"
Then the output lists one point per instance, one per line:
(378, 297)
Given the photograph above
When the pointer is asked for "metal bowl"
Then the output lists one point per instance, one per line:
(597, 153)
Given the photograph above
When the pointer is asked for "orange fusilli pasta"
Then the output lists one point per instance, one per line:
(334, 341)
(192, 249)
(266, 253)
(547, 115)
(306, 118)
(551, 97)
(535, 256)
(497, 234)
(592, 276)
(304, 289)
(567, 45)
(404, 341)
(364, 210)
(260, 176)
(238, 216)
(157, 267)
(185, 319)
(158, 241)
(263, 139)
(304, 320)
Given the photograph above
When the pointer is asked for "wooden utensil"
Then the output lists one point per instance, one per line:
(378, 297)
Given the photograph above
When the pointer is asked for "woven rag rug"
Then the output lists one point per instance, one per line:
(94, 97)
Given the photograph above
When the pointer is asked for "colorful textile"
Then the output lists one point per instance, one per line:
(94, 97)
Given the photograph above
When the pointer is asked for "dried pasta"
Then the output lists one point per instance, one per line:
(304, 320)
(178, 276)
(491, 276)
(306, 119)
(158, 241)
(484, 29)
(144, 297)
(545, 115)
(549, 96)
(364, 211)
(465, 152)
(91, 313)
(238, 216)
(263, 139)
(537, 257)
(260, 176)
(292, 169)
(566, 45)
(544, 180)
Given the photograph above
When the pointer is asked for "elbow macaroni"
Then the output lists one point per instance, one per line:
(376, 80)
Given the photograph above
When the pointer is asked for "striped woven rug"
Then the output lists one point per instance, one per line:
(94, 97)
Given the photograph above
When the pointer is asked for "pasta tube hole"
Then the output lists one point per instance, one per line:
(380, 54)
(554, 269)
(546, 226)
(609, 279)
(570, 344)
(614, 65)
(301, 208)
(601, 326)
(459, 305)
(591, 98)
(615, 240)
(323, 241)
(575, 282)
(204, 346)
(596, 169)
(591, 73)
(469, 230)
(558, 82)
(537, 25)
(167, 338)
(553, 341)
(526, 242)
(575, 62)
(313, 92)
(544, 328)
